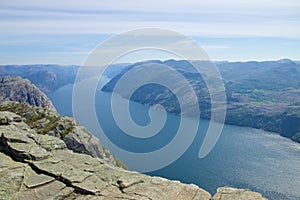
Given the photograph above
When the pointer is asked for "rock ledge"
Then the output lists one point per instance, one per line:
(36, 166)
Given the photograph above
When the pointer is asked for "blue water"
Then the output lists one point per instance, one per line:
(243, 157)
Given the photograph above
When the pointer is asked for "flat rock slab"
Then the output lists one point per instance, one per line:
(35, 166)
(228, 193)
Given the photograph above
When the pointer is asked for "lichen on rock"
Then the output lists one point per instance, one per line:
(49, 122)
(34, 166)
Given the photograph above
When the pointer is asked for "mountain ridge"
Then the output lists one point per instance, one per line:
(21, 90)
(270, 87)
(264, 95)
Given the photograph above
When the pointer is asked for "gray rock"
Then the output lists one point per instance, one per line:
(59, 171)
(46, 169)
(7, 118)
(21, 90)
(82, 141)
(48, 142)
(19, 181)
(4, 120)
(48, 122)
(38, 112)
(228, 193)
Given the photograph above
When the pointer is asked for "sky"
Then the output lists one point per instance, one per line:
(64, 32)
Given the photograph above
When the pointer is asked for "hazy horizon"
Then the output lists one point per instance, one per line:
(60, 32)
(163, 60)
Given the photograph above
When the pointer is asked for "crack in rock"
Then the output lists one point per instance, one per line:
(55, 172)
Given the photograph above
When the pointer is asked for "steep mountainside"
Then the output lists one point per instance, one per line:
(46, 77)
(39, 113)
(21, 90)
(263, 95)
(47, 122)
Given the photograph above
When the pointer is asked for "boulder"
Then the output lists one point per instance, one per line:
(15, 88)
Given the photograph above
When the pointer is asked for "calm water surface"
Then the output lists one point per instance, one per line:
(243, 157)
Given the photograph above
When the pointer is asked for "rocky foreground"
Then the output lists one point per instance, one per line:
(40, 166)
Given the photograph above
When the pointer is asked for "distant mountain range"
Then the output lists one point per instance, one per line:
(46, 77)
(263, 95)
(49, 78)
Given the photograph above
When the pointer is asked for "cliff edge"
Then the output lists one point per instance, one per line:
(39, 166)
(46, 156)
(14, 88)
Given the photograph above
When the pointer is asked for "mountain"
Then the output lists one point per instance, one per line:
(21, 90)
(49, 78)
(20, 96)
(264, 95)
(46, 77)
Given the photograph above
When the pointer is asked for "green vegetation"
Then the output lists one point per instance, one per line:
(263, 95)
(119, 163)
(40, 119)
(66, 132)
(106, 152)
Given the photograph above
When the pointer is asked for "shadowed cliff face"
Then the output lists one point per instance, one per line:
(39, 166)
(46, 77)
(48, 122)
(39, 113)
(21, 90)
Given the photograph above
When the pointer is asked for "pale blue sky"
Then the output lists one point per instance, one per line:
(64, 32)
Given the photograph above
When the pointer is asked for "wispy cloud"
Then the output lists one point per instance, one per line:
(203, 18)
(93, 26)
(61, 25)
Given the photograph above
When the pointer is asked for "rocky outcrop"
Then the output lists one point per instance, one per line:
(39, 113)
(49, 122)
(21, 90)
(37, 166)
(225, 193)
(41, 167)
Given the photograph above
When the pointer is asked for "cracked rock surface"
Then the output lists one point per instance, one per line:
(36, 166)
(225, 193)
(15, 88)
(49, 122)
